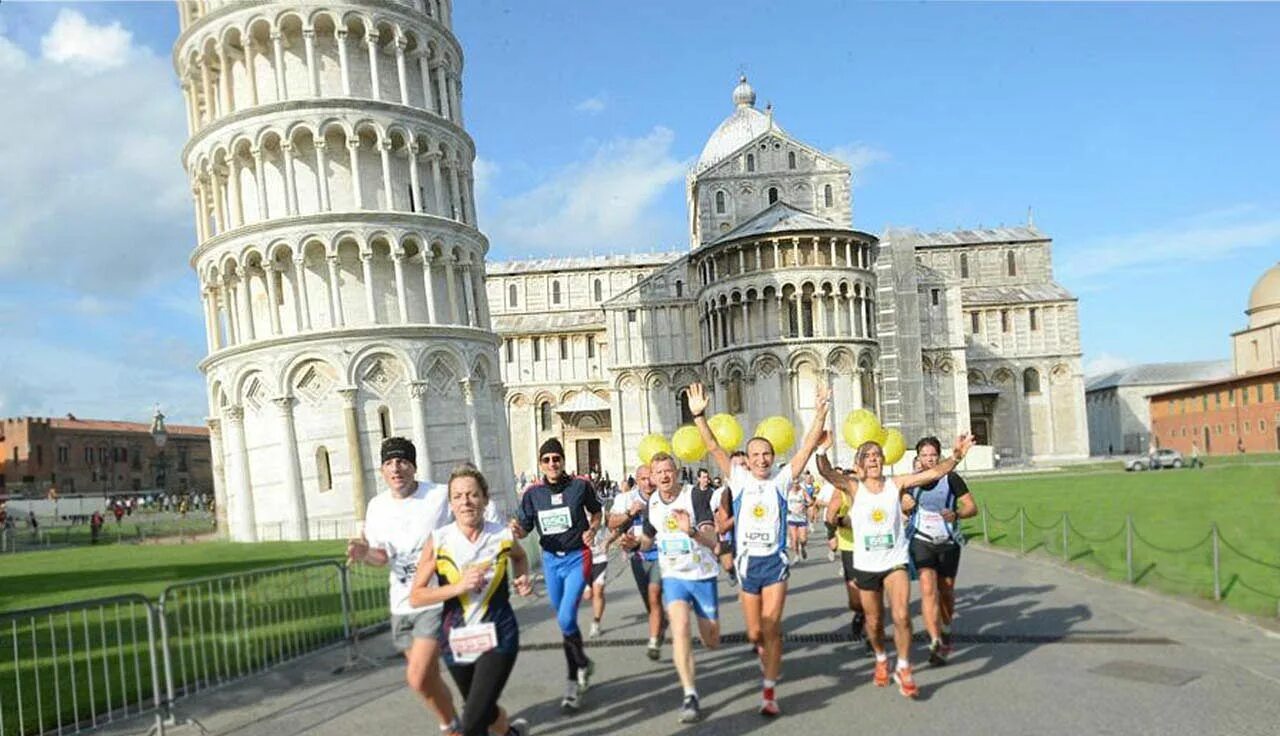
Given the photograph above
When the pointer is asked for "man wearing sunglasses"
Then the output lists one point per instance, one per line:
(566, 512)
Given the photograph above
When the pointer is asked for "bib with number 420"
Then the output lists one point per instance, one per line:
(469, 642)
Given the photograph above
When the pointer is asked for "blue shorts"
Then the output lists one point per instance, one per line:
(797, 523)
(700, 594)
(757, 573)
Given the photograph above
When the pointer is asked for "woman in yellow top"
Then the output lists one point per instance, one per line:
(836, 512)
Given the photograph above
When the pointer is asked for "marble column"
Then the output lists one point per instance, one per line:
(273, 297)
(304, 301)
(313, 72)
(217, 463)
(418, 393)
(429, 288)
(343, 64)
(277, 62)
(297, 509)
(402, 297)
(473, 424)
(240, 491)
(335, 294)
(366, 265)
(351, 421)
(322, 175)
(372, 40)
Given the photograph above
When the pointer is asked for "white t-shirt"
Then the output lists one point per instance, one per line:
(679, 555)
(400, 527)
(879, 541)
(759, 511)
(825, 492)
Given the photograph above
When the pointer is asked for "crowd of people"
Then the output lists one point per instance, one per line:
(454, 564)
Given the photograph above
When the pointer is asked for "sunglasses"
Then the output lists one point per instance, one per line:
(552, 459)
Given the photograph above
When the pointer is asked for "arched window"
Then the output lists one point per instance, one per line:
(682, 400)
(324, 472)
(751, 162)
(564, 348)
(827, 198)
(867, 379)
(384, 421)
(720, 207)
(537, 348)
(511, 351)
(964, 265)
(1013, 264)
(733, 394)
(512, 299)
(1031, 381)
(597, 290)
(544, 416)
(555, 292)
(791, 159)
(773, 195)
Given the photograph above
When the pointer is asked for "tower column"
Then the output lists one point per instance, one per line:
(351, 421)
(259, 178)
(372, 40)
(322, 177)
(468, 294)
(401, 76)
(313, 73)
(428, 286)
(424, 68)
(290, 187)
(241, 490)
(418, 395)
(415, 186)
(304, 302)
(217, 463)
(277, 62)
(402, 298)
(451, 284)
(443, 85)
(273, 297)
(353, 145)
(335, 293)
(366, 264)
(436, 182)
(384, 153)
(250, 70)
(297, 510)
(343, 65)
(473, 424)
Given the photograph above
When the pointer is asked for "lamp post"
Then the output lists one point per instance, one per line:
(160, 436)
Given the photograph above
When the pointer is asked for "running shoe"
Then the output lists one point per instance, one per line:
(906, 683)
(946, 643)
(690, 712)
(882, 673)
(937, 657)
(584, 675)
(804, 552)
(733, 581)
(569, 703)
(518, 727)
(857, 626)
(655, 650)
(769, 706)
(831, 555)
(595, 630)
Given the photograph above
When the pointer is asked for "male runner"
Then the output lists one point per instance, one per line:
(678, 524)
(594, 591)
(798, 520)
(566, 512)
(935, 547)
(626, 516)
(836, 515)
(724, 521)
(758, 503)
(398, 522)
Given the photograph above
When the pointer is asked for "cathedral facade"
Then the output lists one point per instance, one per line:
(935, 332)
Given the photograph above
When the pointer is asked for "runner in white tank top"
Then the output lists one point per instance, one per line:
(880, 547)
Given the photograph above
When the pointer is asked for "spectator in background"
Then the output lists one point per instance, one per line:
(1196, 462)
(95, 526)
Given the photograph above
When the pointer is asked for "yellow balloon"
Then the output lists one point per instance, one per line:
(861, 426)
(650, 445)
(727, 431)
(687, 444)
(779, 432)
(894, 446)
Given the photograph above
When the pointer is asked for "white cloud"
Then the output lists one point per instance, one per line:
(93, 197)
(860, 157)
(592, 105)
(605, 202)
(74, 41)
(1105, 363)
(1205, 237)
(11, 57)
(484, 171)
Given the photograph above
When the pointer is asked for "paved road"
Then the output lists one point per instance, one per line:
(1041, 650)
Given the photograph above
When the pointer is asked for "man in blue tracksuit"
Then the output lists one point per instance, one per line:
(566, 513)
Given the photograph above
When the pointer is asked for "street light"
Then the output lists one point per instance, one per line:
(160, 436)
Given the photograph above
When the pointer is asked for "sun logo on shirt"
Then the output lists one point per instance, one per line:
(758, 511)
(671, 524)
(877, 515)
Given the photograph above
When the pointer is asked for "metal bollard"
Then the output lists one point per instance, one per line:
(1128, 546)
(986, 538)
(1066, 524)
(1217, 569)
(1022, 531)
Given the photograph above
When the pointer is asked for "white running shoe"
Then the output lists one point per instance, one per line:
(569, 703)
(594, 631)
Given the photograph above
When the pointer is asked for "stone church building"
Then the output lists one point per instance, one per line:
(935, 332)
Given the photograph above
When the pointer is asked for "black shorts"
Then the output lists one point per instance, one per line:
(598, 572)
(874, 581)
(846, 561)
(943, 558)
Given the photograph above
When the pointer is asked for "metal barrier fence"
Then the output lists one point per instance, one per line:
(317, 529)
(77, 666)
(126, 532)
(1061, 537)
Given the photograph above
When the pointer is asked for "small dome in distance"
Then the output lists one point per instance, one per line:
(1264, 300)
(743, 94)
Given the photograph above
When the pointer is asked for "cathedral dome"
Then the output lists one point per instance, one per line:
(1264, 300)
(743, 125)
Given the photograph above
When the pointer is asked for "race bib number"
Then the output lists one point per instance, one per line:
(932, 524)
(878, 542)
(469, 642)
(555, 521)
(675, 547)
(760, 540)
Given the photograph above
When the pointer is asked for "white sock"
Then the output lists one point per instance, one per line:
(653, 641)
(903, 663)
(770, 684)
(691, 691)
(882, 657)
(946, 628)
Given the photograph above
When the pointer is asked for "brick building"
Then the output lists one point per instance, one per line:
(90, 456)
(1239, 413)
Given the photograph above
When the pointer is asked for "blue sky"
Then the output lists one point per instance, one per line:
(1143, 136)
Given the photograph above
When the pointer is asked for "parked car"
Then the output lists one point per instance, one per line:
(1164, 458)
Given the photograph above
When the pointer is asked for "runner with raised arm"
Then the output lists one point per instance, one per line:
(757, 501)
(626, 515)
(877, 516)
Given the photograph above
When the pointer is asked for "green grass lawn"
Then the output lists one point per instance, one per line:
(1172, 515)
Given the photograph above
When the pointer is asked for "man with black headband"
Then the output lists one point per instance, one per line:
(566, 512)
(397, 524)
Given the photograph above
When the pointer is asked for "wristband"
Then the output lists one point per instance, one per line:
(700, 415)
(821, 452)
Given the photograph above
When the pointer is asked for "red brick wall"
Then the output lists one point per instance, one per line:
(1231, 410)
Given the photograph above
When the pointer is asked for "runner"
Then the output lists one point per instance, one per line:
(935, 547)
(678, 523)
(724, 521)
(397, 525)
(758, 503)
(566, 512)
(594, 591)
(625, 515)
(837, 513)
(797, 520)
(877, 515)
(818, 514)
(465, 566)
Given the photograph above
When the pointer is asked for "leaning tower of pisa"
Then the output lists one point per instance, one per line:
(341, 271)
